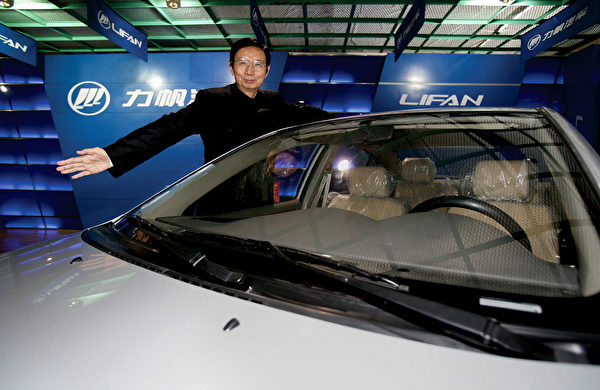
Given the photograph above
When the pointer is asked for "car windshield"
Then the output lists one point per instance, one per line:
(488, 199)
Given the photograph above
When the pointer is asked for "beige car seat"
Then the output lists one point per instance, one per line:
(370, 189)
(506, 184)
(417, 182)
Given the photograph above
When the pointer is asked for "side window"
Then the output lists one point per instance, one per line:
(273, 180)
(289, 168)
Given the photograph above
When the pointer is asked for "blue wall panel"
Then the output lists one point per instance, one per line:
(17, 72)
(8, 127)
(544, 70)
(341, 84)
(582, 92)
(308, 69)
(45, 178)
(351, 98)
(4, 102)
(35, 124)
(11, 152)
(57, 204)
(357, 69)
(19, 203)
(10, 222)
(32, 193)
(15, 177)
(29, 97)
(300, 94)
(42, 151)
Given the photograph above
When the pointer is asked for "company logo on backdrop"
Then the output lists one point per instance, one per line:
(13, 44)
(534, 41)
(92, 98)
(103, 19)
(105, 22)
(441, 100)
(88, 98)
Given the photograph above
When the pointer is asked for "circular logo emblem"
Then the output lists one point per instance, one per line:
(88, 98)
(534, 41)
(103, 20)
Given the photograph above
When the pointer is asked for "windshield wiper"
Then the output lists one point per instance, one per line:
(483, 332)
(471, 328)
(331, 262)
(194, 257)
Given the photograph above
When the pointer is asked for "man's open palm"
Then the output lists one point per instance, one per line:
(91, 161)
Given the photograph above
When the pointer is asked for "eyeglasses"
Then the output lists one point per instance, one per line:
(257, 64)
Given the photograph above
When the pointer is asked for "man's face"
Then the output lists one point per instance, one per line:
(249, 69)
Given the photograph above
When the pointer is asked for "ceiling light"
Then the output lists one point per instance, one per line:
(7, 3)
(3, 88)
(173, 3)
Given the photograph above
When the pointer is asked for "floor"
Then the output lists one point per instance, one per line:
(17, 238)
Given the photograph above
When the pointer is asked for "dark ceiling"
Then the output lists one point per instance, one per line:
(335, 26)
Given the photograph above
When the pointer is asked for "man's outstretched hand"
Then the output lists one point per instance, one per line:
(91, 161)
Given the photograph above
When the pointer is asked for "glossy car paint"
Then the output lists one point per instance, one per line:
(73, 317)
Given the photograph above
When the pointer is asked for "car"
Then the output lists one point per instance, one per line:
(422, 249)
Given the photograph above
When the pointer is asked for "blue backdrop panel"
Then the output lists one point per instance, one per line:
(4, 102)
(35, 124)
(544, 70)
(313, 95)
(308, 69)
(537, 95)
(351, 98)
(8, 127)
(85, 82)
(11, 152)
(582, 92)
(17, 72)
(28, 97)
(420, 80)
(15, 177)
(19, 203)
(357, 69)
(57, 204)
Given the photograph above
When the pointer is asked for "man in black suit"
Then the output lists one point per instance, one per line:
(224, 117)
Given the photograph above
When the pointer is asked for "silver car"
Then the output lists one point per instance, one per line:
(427, 249)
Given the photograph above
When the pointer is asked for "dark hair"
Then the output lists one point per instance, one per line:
(246, 42)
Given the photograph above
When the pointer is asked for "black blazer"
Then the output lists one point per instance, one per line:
(224, 117)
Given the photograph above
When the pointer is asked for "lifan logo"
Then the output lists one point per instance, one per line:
(103, 20)
(88, 98)
(441, 100)
(13, 44)
(534, 41)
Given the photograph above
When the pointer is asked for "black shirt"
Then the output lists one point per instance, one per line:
(224, 117)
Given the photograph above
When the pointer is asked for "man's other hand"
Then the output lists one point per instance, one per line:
(91, 161)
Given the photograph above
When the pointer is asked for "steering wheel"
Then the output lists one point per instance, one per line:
(489, 210)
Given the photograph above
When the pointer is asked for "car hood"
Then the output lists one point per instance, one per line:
(75, 317)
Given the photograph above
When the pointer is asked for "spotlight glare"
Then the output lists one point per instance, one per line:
(155, 82)
(174, 4)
